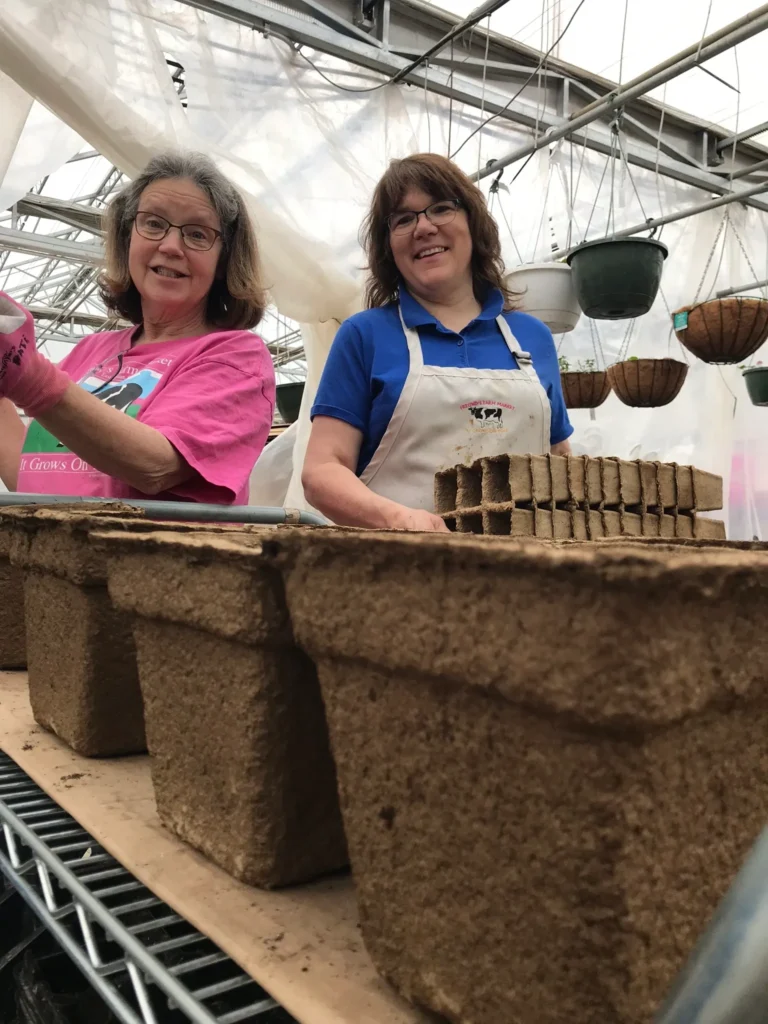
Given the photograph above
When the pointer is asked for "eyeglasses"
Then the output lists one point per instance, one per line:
(438, 213)
(194, 236)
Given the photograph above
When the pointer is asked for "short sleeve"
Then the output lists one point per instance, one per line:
(560, 427)
(344, 392)
(217, 415)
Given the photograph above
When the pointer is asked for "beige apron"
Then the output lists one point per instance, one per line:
(449, 415)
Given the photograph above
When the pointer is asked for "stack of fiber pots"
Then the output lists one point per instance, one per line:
(241, 762)
(551, 757)
(563, 496)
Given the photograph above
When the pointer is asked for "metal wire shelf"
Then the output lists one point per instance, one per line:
(148, 964)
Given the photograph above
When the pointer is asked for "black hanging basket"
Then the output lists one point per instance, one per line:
(289, 398)
(617, 278)
(756, 379)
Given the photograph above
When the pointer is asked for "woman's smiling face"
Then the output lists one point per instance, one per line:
(172, 279)
(432, 257)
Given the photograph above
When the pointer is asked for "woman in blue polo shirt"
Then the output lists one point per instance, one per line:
(439, 370)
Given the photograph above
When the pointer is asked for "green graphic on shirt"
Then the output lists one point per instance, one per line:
(39, 439)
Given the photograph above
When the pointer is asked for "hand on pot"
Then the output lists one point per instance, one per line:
(418, 520)
(30, 380)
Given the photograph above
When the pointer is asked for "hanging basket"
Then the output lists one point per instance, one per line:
(646, 383)
(546, 291)
(723, 330)
(288, 397)
(617, 278)
(585, 389)
(756, 379)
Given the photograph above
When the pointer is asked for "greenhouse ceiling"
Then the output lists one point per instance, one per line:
(489, 89)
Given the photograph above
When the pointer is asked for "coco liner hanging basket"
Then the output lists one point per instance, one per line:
(723, 330)
(617, 278)
(646, 383)
(585, 389)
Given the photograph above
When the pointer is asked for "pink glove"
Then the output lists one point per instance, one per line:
(30, 380)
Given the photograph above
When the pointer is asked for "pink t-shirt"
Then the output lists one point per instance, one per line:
(212, 397)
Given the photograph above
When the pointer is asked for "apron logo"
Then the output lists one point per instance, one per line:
(486, 417)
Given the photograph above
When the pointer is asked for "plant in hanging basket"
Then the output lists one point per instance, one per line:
(723, 330)
(586, 387)
(617, 278)
(645, 383)
(756, 379)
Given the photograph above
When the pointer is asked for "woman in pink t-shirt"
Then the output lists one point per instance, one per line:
(178, 406)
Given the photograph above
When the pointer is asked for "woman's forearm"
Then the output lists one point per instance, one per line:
(337, 493)
(11, 441)
(114, 443)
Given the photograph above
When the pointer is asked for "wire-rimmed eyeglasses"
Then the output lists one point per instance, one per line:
(194, 236)
(441, 212)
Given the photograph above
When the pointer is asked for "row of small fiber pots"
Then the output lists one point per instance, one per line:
(614, 279)
(545, 762)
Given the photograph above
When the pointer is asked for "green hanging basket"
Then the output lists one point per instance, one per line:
(617, 278)
(289, 400)
(756, 379)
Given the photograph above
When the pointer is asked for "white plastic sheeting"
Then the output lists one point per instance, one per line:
(307, 155)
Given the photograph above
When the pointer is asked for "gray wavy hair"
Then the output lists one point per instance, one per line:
(237, 297)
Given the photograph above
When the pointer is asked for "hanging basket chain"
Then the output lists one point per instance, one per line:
(597, 345)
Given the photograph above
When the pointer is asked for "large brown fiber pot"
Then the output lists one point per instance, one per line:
(539, 830)
(645, 383)
(13, 649)
(724, 330)
(241, 762)
(83, 684)
(585, 389)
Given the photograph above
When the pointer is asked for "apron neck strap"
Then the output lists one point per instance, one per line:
(414, 343)
(512, 343)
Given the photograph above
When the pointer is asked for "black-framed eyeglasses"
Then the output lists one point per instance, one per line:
(441, 212)
(194, 236)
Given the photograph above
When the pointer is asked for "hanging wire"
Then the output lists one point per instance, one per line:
(704, 33)
(597, 197)
(482, 93)
(450, 106)
(525, 84)
(495, 195)
(623, 40)
(658, 155)
(426, 108)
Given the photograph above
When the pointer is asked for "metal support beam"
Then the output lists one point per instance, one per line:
(669, 218)
(750, 286)
(45, 245)
(748, 133)
(95, 320)
(724, 39)
(77, 215)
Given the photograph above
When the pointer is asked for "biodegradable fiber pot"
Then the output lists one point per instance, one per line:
(241, 762)
(723, 330)
(13, 650)
(545, 290)
(645, 383)
(617, 278)
(83, 683)
(756, 379)
(288, 397)
(537, 831)
(585, 389)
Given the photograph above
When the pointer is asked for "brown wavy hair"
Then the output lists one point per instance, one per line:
(440, 179)
(237, 298)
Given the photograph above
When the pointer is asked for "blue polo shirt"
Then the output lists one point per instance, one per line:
(368, 362)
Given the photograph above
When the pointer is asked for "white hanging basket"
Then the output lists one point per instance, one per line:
(546, 292)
